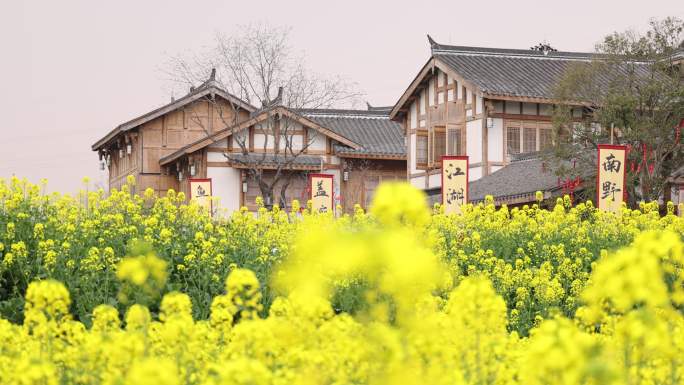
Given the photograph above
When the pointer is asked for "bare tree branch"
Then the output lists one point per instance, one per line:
(254, 65)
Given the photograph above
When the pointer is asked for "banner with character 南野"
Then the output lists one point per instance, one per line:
(322, 191)
(454, 183)
(200, 192)
(610, 179)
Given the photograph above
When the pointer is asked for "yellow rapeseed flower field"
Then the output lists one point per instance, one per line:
(135, 289)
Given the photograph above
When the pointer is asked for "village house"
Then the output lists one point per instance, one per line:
(210, 134)
(493, 105)
(136, 146)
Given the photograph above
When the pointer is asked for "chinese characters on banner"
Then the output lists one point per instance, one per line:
(610, 180)
(454, 183)
(321, 186)
(200, 192)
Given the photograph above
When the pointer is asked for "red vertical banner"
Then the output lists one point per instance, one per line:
(611, 177)
(322, 191)
(454, 183)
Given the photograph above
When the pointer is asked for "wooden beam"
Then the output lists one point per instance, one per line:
(529, 99)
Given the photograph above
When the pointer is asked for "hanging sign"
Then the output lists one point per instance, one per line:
(321, 187)
(610, 179)
(454, 183)
(200, 192)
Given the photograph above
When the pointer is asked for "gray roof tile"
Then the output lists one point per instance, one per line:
(372, 129)
(525, 176)
(271, 159)
(513, 72)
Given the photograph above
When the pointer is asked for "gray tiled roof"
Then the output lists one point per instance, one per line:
(512, 72)
(372, 129)
(525, 176)
(271, 159)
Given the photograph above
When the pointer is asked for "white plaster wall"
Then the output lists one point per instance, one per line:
(478, 104)
(474, 173)
(262, 141)
(459, 90)
(422, 102)
(440, 77)
(216, 157)
(225, 186)
(418, 182)
(297, 141)
(474, 140)
(243, 137)
(412, 148)
(495, 141)
(288, 127)
(414, 116)
(317, 140)
(435, 180)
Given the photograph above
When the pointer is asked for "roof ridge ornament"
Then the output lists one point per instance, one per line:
(431, 41)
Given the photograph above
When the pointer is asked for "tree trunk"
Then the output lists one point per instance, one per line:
(283, 188)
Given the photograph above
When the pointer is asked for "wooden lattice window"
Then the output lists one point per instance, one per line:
(438, 144)
(529, 139)
(513, 140)
(421, 149)
(454, 140)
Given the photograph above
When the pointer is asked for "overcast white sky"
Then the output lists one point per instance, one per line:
(70, 71)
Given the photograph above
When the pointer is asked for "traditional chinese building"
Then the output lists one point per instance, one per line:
(136, 146)
(210, 134)
(493, 105)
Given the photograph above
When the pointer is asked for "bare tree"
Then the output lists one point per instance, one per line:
(258, 66)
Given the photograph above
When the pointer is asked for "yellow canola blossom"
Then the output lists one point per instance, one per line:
(529, 295)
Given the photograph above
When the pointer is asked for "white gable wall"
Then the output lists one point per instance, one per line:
(317, 140)
(240, 137)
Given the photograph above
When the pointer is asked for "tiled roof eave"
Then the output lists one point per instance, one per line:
(534, 98)
(370, 155)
